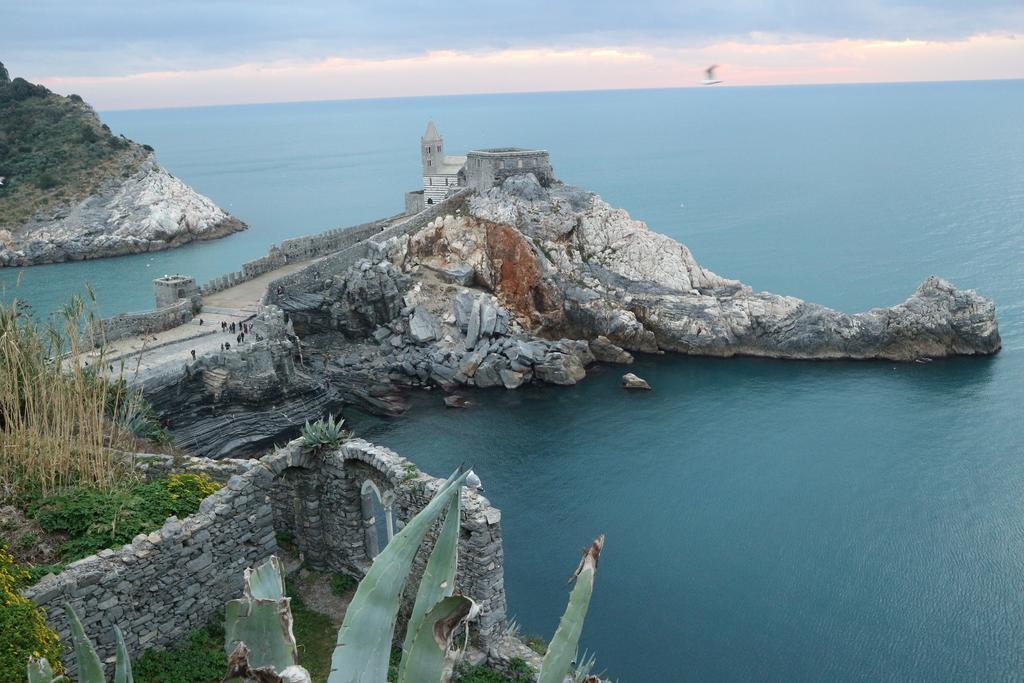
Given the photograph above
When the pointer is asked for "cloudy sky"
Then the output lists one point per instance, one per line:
(147, 53)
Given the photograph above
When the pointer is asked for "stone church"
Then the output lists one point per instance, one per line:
(481, 169)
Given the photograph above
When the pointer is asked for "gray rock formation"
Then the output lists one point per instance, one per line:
(574, 266)
(234, 402)
(150, 210)
(634, 383)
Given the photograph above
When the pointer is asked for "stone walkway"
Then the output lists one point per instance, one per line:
(138, 359)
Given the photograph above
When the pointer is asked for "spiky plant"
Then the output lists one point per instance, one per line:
(325, 433)
(261, 645)
(90, 669)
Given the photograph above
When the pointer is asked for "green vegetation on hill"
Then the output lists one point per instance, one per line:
(53, 150)
(94, 519)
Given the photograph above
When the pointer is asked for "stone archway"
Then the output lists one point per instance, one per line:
(377, 517)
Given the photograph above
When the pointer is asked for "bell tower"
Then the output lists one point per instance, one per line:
(431, 150)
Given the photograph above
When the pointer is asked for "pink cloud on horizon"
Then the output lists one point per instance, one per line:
(767, 61)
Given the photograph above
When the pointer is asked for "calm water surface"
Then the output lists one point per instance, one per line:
(766, 520)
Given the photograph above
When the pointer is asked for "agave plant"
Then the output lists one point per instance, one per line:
(90, 669)
(324, 433)
(261, 645)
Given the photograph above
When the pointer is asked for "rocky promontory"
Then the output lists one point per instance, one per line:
(524, 283)
(517, 285)
(571, 265)
(150, 210)
(70, 189)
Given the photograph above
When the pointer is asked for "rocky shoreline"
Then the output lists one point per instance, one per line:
(150, 210)
(516, 285)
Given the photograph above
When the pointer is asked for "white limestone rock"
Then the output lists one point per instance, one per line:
(634, 383)
(150, 210)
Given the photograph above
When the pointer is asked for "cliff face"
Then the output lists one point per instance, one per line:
(70, 189)
(568, 264)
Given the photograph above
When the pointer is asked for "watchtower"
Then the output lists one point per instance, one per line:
(169, 288)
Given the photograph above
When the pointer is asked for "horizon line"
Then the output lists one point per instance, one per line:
(695, 86)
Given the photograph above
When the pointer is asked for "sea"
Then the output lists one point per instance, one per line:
(765, 520)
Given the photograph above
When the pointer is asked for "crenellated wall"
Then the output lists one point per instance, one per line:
(298, 249)
(166, 584)
(146, 322)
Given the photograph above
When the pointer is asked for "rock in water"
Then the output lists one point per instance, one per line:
(634, 383)
(456, 401)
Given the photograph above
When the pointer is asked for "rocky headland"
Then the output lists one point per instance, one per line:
(527, 283)
(150, 210)
(515, 285)
(70, 189)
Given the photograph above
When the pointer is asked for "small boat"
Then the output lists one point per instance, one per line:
(709, 75)
(923, 360)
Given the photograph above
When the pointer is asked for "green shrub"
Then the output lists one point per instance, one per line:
(46, 181)
(95, 519)
(200, 659)
(22, 625)
(341, 584)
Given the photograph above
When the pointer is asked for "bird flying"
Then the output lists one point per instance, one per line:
(709, 75)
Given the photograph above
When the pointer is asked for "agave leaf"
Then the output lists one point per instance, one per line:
(265, 582)
(426, 658)
(123, 667)
(364, 640)
(40, 671)
(90, 670)
(262, 620)
(438, 580)
(562, 649)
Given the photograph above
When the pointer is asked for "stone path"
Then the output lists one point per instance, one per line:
(138, 359)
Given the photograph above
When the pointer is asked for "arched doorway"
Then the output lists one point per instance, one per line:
(378, 523)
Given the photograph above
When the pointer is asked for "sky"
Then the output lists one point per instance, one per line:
(129, 54)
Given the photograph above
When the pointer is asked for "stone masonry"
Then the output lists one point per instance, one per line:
(166, 584)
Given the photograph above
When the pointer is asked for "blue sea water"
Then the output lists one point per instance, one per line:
(765, 520)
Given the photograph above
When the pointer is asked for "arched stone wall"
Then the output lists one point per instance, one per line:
(166, 584)
(321, 500)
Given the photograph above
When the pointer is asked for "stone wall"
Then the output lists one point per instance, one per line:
(321, 503)
(302, 280)
(297, 249)
(147, 322)
(166, 584)
(486, 168)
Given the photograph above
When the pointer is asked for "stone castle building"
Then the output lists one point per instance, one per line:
(481, 169)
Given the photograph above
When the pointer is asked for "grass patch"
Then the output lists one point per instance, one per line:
(316, 636)
(342, 584)
(519, 672)
(537, 644)
(200, 659)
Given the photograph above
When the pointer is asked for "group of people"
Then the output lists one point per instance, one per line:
(239, 329)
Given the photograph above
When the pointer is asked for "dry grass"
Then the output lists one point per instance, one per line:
(58, 429)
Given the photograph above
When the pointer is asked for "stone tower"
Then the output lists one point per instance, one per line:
(432, 150)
